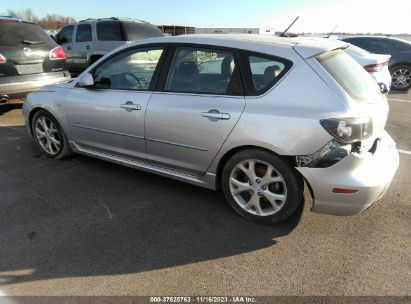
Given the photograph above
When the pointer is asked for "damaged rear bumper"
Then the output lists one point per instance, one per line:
(369, 173)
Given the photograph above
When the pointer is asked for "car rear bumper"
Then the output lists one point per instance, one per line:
(19, 86)
(370, 173)
(383, 77)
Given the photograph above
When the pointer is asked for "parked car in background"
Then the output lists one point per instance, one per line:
(253, 115)
(400, 51)
(87, 41)
(29, 59)
(375, 64)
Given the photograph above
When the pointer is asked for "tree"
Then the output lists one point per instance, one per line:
(49, 22)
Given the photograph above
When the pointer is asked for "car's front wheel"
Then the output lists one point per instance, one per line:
(49, 136)
(401, 77)
(261, 186)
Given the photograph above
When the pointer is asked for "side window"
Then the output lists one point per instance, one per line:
(83, 33)
(399, 46)
(109, 31)
(207, 71)
(65, 35)
(381, 46)
(264, 72)
(131, 70)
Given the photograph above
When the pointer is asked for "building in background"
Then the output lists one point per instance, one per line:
(223, 30)
(175, 30)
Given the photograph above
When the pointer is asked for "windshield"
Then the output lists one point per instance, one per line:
(350, 75)
(20, 33)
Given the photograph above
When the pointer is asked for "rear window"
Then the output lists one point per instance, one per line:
(350, 75)
(15, 33)
(134, 31)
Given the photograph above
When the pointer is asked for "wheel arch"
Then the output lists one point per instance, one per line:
(34, 111)
(228, 154)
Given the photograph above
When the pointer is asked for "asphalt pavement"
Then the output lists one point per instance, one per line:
(83, 226)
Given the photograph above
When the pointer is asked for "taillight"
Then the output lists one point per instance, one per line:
(57, 53)
(375, 67)
(348, 130)
(2, 59)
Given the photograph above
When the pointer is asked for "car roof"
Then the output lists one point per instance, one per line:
(306, 47)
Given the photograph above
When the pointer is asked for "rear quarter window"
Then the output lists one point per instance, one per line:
(264, 71)
(109, 31)
(349, 75)
(135, 31)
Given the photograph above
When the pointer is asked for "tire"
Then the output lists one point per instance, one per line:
(401, 77)
(278, 194)
(46, 128)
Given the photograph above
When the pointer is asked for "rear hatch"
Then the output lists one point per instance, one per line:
(364, 99)
(26, 48)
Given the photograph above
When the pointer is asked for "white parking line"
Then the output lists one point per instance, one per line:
(404, 151)
(393, 99)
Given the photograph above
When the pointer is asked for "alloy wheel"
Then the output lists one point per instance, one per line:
(401, 78)
(257, 187)
(47, 135)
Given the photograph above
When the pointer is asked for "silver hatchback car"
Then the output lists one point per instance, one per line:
(253, 115)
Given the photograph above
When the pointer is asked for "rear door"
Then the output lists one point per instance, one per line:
(82, 46)
(26, 47)
(200, 101)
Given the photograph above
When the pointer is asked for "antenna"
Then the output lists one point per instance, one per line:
(328, 36)
(283, 33)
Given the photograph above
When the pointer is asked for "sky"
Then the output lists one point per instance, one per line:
(360, 16)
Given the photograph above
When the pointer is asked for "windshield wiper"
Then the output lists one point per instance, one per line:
(33, 42)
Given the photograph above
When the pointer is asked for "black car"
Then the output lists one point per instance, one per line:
(400, 51)
(29, 59)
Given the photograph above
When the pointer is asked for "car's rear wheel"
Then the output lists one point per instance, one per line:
(49, 136)
(261, 186)
(401, 77)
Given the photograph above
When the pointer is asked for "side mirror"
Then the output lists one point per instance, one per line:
(86, 80)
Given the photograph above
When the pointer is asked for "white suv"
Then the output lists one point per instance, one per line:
(87, 41)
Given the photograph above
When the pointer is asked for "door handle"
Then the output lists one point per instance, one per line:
(215, 115)
(130, 106)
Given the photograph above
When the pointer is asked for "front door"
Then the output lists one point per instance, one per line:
(109, 117)
(82, 46)
(65, 40)
(202, 100)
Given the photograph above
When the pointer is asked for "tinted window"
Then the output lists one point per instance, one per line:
(132, 70)
(205, 71)
(66, 34)
(264, 72)
(14, 33)
(109, 31)
(378, 45)
(400, 46)
(83, 33)
(349, 75)
(134, 31)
